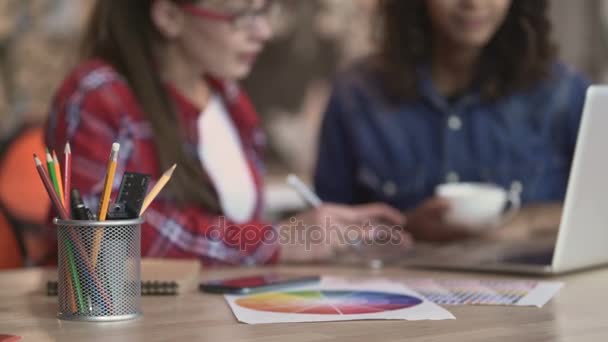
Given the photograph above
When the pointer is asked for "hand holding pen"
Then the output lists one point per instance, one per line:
(333, 219)
(356, 214)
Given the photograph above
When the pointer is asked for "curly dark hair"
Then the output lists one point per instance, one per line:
(519, 55)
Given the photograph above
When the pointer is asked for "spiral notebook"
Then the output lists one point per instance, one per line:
(160, 277)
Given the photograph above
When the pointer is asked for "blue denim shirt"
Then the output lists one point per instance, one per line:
(371, 150)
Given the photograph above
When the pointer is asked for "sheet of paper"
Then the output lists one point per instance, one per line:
(335, 299)
(485, 292)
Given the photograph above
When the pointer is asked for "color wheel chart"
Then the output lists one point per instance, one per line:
(328, 302)
(336, 299)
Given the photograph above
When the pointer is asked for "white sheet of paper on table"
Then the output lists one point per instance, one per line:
(342, 297)
(485, 292)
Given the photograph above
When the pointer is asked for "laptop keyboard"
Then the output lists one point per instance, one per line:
(537, 258)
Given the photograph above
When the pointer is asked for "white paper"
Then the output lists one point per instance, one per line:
(485, 292)
(379, 292)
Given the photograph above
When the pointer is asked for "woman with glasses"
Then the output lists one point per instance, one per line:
(160, 77)
(459, 91)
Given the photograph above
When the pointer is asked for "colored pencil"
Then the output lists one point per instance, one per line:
(61, 213)
(59, 181)
(68, 281)
(67, 177)
(105, 202)
(75, 280)
(162, 181)
(52, 174)
(50, 190)
(89, 269)
(109, 181)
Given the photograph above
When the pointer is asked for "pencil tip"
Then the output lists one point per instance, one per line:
(170, 171)
(67, 148)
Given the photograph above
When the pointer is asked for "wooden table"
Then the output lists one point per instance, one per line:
(578, 313)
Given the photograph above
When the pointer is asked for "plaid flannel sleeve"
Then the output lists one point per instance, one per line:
(99, 110)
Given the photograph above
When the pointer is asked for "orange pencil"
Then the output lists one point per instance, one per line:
(59, 181)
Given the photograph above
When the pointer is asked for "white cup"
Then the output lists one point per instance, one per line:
(479, 206)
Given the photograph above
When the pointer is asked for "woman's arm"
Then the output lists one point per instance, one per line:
(97, 109)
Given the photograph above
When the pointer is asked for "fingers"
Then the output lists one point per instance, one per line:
(338, 214)
(380, 212)
(356, 215)
(435, 206)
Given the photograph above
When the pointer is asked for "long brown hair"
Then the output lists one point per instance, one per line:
(519, 55)
(121, 33)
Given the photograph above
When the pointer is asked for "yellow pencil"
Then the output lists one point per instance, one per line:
(105, 201)
(59, 181)
(162, 181)
(109, 181)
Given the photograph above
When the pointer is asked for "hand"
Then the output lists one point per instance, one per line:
(334, 219)
(426, 222)
(535, 219)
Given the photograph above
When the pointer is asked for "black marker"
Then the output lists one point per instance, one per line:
(79, 210)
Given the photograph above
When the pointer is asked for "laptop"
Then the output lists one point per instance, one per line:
(582, 237)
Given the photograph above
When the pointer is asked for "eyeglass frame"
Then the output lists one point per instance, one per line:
(252, 14)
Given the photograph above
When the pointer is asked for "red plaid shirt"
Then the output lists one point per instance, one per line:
(95, 107)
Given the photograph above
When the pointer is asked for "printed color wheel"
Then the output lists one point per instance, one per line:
(328, 302)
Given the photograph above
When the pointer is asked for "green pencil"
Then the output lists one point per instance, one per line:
(74, 274)
(51, 167)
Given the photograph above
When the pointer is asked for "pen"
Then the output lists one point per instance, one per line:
(79, 210)
(304, 191)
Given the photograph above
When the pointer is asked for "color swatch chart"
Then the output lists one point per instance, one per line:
(336, 299)
(485, 292)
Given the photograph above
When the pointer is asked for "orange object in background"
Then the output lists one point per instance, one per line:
(10, 254)
(20, 190)
(24, 203)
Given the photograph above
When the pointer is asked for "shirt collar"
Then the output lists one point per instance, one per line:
(430, 94)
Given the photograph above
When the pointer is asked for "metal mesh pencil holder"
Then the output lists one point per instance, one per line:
(99, 269)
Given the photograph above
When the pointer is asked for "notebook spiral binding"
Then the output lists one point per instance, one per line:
(148, 288)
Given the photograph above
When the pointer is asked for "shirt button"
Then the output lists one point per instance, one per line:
(517, 186)
(454, 122)
(390, 189)
(452, 177)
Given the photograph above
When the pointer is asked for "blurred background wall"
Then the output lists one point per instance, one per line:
(290, 84)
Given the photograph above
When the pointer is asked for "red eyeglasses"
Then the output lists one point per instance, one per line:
(240, 20)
